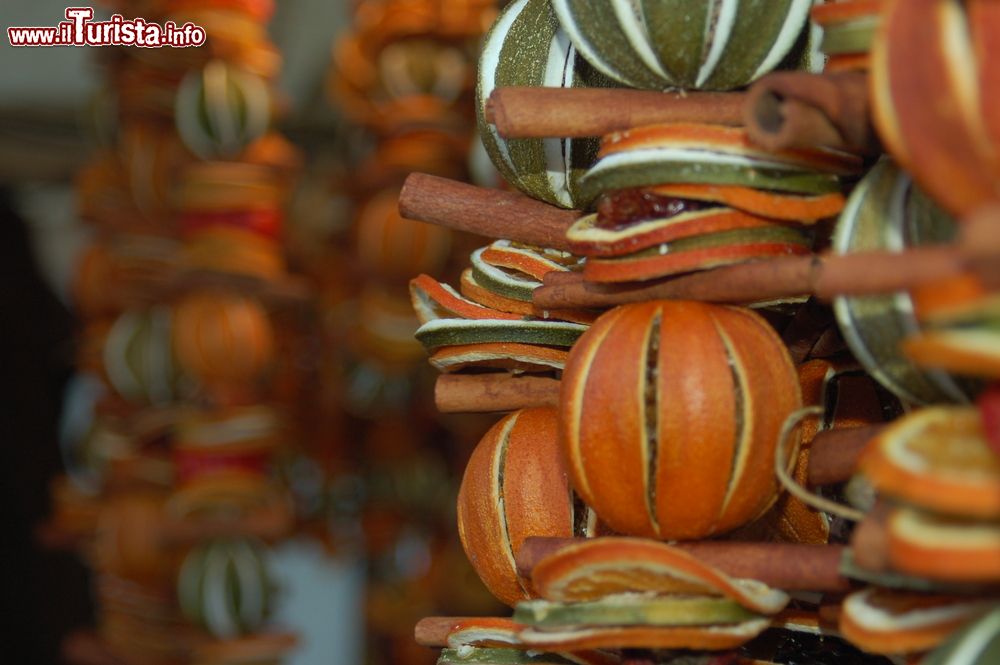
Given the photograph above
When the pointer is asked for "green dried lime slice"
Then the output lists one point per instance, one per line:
(849, 37)
(487, 656)
(500, 281)
(452, 332)
(633, 610)
(653, 166)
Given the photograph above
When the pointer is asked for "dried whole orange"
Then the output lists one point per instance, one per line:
(515, 486)
(222, 338)
(670, 414)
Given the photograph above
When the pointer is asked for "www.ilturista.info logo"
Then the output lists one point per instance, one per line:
(80, 30)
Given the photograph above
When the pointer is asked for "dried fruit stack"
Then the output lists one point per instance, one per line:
(683, 421)
(180, 297)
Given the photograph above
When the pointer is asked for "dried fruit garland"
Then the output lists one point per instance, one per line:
(676, 419)
(189, 209)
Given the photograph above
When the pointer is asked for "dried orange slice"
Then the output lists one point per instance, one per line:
(937, 458)
(943, 549)
(596, 568)
(891, 622)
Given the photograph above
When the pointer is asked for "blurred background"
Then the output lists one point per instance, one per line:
(220, 439)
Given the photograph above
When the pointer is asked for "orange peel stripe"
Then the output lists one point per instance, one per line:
(534, 266)
(689, 493)
(772, 205)
(771, 391)
(723, 139)
(426, 287)
(618, 474)
(588, 240)
(572, 390)
(491, 353)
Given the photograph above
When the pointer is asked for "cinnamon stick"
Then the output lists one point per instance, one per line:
(487, 212)
(834, 454)
(563, 277)
(871, 273)
(802, 110)
(980, 244)
(870, 542)
(742, 283)
(481, 393)
(781, 565)
(825, 276)
(523, 112)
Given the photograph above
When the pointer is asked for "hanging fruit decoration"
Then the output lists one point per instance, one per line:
(526, 46)
(222, 339)
(515, 485)
(690, 452)
(395, 248)
(676, 330)
(224, 586)
(690, 45)
(178, 295)
(139, 362)
(950, 146)
(221, 110)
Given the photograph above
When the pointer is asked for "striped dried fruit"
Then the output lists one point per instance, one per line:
(944, 549)
(849, 27)
(526, 47)
(224, 586)
(688, 44)
(670, 415)
(938, 459)
(897, 622)
(516, 486)
(682, 197)
(946, 51)
(602, 567)
(222, 338)
(139, 361)
(222, 109)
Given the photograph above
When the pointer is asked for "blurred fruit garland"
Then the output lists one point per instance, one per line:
(403, 76)
(229, 398)
(752, 438)
(193, 325)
